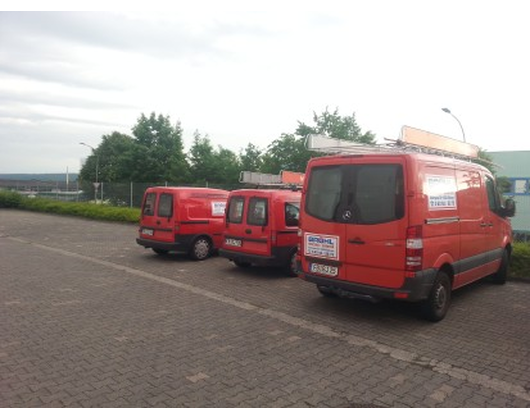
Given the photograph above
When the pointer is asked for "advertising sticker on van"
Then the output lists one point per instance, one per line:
(323, 246)
(218, 208)
(441, 192)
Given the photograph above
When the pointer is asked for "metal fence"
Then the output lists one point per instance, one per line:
(124, 194)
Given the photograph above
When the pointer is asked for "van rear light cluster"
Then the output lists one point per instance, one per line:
(414, 248)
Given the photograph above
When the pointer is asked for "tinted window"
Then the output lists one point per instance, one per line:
(360, 194)
(257, 211)
(292, 213)
(149, 204)
(165, 205)
(493, 196)
(324, 191)
(235, 210)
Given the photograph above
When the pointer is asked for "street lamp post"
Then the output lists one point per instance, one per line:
(448, 111)
(96, 184)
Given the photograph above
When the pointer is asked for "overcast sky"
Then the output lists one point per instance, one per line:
(241, 75)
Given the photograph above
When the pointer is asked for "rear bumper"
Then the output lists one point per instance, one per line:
(413, 289)
(182, 245)
(280, 256)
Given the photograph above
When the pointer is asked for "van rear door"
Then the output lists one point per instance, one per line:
(165, 212)
(360, 206)
(157, 216)
(257, 234)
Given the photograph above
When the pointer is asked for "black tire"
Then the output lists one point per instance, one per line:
(292, 268)
(242, 264)
(435, 307)
(160, 251)
(201, 249)
(324, 291)
(501, 275)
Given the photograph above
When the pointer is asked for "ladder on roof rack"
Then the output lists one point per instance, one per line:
(285, 179)
(411, 140)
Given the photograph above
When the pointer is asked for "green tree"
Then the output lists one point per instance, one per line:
(286, 153)
(227, 166)
(289, 152)
(208, 165)
(251, 158)
(202, 160)
(331, 124)
(161, 147)
(111, 158)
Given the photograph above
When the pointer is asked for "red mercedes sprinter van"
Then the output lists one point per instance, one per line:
(182, 219)
(402, 225)
(261, 228)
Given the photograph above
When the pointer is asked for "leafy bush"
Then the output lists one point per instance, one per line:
(9, 199)
(87, 210)
(520, 264)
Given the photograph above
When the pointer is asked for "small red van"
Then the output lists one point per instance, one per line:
(397, 224)
(261, 228)
(182, 219)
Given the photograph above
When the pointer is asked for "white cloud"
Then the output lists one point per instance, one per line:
(240, 75)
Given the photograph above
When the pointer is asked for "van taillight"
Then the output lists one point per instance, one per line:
(414, 246)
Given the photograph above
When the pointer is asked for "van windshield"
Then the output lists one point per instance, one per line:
(358, 194)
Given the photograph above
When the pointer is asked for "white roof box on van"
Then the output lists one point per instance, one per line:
(429, 140)
(410, 139)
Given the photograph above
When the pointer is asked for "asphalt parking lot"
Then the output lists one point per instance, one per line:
(90, 319)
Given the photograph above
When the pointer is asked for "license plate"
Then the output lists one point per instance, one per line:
(232, 242)
(327, 270)
(148, 232)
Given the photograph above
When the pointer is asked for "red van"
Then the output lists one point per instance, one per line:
(403, 225)
(182, 219)
(261, 228)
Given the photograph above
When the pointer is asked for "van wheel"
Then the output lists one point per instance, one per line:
(501, 275)
(435, 307)
(324, 291)
(160, 251)
(200, 249)
(242, 264)
(292, 268)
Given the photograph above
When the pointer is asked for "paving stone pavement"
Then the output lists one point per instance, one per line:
(90, 319)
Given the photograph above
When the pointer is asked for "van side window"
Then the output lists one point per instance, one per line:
(235, 210)
(292, 214)
(165, 205)
(257, 212)
(493, 195)
(149, 204)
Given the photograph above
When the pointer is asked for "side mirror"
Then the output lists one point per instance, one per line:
(509, 208)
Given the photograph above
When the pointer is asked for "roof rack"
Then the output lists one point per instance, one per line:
(411, 140)
(285, 179)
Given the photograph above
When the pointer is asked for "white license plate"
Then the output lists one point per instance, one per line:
(232, 242)
(148, 232)
(327, 270)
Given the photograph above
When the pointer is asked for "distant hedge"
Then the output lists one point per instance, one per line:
(520, 264)
(10, 199)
